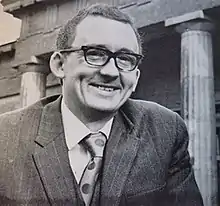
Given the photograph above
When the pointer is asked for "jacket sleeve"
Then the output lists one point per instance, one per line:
(181, 184)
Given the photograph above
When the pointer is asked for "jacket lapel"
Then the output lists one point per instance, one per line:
(51, 157)
(120, 152)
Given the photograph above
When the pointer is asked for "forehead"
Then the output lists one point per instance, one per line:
(113, 34)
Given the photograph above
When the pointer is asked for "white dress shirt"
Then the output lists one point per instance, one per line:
(75, 131)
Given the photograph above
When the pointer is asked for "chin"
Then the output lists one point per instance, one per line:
(103, 105)
(104, 108)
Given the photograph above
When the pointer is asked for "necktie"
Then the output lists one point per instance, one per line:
(95, 144)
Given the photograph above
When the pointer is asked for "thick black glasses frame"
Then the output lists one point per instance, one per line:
(109, 53)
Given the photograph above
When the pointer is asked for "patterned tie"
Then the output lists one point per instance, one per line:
(95, 144)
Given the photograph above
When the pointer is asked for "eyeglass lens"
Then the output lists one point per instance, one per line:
(99, 57)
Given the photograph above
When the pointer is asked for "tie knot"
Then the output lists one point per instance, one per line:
(96, 144)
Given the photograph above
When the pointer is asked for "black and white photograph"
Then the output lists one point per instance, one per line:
(110, 103)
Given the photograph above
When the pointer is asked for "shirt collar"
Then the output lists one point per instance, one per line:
(75, 130)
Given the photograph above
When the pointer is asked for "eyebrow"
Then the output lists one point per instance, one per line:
(103, 46)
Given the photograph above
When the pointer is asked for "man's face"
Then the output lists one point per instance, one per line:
(103, 88)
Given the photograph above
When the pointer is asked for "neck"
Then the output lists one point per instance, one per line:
(93, 119)
(98, 124)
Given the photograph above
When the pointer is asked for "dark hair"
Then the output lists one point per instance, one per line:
(67, 33)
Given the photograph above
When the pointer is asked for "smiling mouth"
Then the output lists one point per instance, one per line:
(108, 89)
(105, 88)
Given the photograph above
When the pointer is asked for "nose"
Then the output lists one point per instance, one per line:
(110, 69)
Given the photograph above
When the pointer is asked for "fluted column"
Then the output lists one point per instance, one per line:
(33, 82)
(197, 97)
(198, 103)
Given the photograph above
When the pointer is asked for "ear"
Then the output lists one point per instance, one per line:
(56, 64)
(138, 72)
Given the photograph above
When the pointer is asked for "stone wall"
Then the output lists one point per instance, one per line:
(41, 21)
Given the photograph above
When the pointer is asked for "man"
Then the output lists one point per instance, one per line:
(93, 145)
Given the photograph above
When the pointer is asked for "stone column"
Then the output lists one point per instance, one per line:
(33, 82)
(198, 101)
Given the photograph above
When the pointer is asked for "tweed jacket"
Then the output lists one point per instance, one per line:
(146, 162)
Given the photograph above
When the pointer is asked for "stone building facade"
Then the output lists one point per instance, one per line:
(180, 69)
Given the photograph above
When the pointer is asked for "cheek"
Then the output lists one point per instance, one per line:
(129, 80)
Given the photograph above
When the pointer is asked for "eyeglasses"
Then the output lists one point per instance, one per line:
(96, 56)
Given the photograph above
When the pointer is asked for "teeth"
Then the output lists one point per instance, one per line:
(106, 88)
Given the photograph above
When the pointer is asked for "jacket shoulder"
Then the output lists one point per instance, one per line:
(154, 118)
(156, 112)
(25, 112)
(141, 108)
(19, 127)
